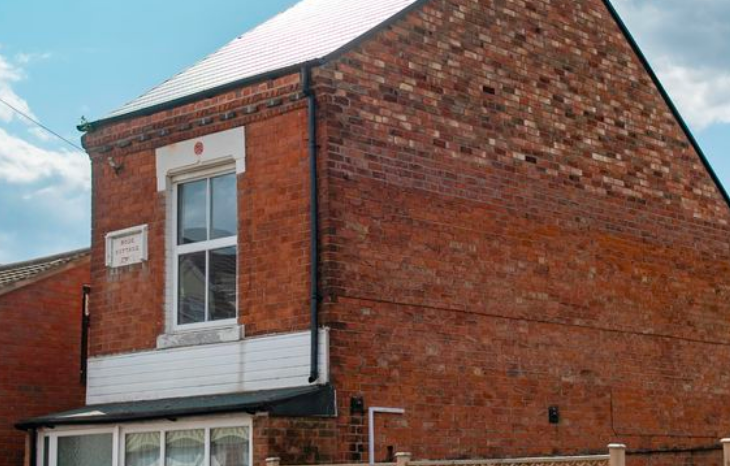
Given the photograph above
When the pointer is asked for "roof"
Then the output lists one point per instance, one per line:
(314, 31)
(314, 400)
(310, 30)
(20, 273)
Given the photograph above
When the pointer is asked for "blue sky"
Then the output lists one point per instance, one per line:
(62, 60)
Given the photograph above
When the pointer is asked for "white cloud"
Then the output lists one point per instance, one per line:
(687, 44)
(702, 95)
(26, 58)
(22, 162)
(10, 74)
(40, 134)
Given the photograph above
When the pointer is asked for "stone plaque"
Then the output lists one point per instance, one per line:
(126, 247)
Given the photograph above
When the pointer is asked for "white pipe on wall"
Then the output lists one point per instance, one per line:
(371, 428)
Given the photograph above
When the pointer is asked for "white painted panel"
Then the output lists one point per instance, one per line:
(263, 363)
(212, 149)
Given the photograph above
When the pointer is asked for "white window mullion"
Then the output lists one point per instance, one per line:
(53, 451)
(116, 439)
(206, 457)
(163, 446)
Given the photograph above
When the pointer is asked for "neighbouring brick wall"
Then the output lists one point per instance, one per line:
(514, 220)
(273, 213)
(39, 354)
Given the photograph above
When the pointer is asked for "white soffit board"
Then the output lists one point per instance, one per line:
(208, 150)
(309, 30)
(263, 363)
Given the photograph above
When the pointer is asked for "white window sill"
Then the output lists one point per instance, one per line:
(198, 337)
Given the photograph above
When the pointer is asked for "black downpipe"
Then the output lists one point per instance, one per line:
(33, 447)
(314, 221)
(85, 320)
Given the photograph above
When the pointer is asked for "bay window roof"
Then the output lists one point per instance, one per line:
(315, 400)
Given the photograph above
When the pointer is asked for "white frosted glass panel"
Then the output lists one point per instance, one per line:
(85, 450)
(185, 448)
(142, 449)
(229, 446)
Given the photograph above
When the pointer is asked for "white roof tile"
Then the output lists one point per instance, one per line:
(309, 30)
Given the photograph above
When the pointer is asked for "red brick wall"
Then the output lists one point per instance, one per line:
(514, 220)
(273, 214)
(511, 218)
(39, 354)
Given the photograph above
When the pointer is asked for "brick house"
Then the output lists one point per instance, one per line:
(40, 341)
(461, 228)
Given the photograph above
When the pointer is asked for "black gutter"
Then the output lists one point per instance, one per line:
(85, 321)
(665, 95)
(314, 221)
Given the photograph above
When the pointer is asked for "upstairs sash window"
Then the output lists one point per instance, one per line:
(206, 251)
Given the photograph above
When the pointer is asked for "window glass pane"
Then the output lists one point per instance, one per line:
(184, 448)
(142, 449)
(191, 289)
(46, 450)
(222, 288)
(223, 214)
(85, 450)
(229, 447)
(191, 212)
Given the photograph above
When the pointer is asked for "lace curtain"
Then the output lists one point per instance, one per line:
(185, 448)
(142, 449)
(229, 447)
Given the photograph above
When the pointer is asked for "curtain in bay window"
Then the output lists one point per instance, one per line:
(185, 448)
(142, 449)
(229, 447)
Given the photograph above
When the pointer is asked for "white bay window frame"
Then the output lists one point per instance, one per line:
(179, 250)
(119, 433)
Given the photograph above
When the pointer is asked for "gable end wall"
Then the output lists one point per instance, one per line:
(515, 220)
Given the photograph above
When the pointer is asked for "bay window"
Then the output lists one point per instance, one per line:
(206, 251)
(212, 443)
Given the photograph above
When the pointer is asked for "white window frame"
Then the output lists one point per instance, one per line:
(179, 249)
(120, 431)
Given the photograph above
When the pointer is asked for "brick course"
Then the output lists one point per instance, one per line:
(512, 219)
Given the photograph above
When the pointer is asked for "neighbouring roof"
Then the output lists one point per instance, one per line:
(315, 400)
(12, 275)
(310, 30)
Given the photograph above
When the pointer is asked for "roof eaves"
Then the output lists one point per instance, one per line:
(273, 74)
